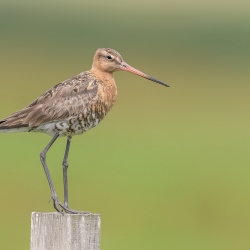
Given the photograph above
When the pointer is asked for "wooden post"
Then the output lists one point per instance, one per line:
(55, 231)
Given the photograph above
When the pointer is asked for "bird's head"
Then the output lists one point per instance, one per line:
(108, 60)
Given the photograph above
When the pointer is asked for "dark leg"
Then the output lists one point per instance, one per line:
(43, 160)
(57, 204)
(65, 172)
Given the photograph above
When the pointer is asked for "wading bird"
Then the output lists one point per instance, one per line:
(71, 108)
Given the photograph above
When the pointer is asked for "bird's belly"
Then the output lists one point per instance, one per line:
(68, 127)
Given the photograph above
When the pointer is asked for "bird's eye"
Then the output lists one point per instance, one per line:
(109, 57)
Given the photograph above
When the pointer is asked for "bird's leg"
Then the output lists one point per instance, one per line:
(58, 205)
(45, 167)
(65, 166)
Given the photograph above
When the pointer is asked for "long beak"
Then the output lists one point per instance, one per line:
(126, 67)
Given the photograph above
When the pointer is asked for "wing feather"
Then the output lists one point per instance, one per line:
(65, 100)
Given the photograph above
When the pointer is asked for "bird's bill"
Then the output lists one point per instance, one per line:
(126, 67)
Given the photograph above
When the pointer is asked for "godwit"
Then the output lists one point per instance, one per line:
(71, 108)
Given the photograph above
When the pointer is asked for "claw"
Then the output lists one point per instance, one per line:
(61, 208)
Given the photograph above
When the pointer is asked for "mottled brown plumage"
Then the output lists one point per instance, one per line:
(71, 108)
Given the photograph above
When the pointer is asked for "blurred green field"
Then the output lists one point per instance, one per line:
(168, 168)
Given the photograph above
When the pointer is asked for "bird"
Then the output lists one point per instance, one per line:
(70, 108)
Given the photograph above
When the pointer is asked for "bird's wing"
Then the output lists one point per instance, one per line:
(65, 100)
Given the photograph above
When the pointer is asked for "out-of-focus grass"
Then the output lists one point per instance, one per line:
(168, 168)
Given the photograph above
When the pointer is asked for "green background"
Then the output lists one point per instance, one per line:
(168, 168)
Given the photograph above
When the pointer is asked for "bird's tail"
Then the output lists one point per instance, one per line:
(14, 123)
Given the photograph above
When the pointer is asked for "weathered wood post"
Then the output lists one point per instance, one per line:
(55, 231)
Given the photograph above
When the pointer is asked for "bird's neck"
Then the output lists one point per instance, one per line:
(105, 77)
(108, 89)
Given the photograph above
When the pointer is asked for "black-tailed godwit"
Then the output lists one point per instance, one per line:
(71, 108)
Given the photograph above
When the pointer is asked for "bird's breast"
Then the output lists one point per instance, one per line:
(107, 93)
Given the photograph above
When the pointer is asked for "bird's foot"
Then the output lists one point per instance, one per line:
(61, 208)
